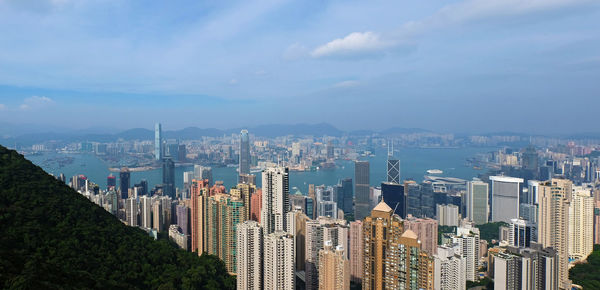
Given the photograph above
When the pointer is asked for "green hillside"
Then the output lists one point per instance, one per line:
(52, 237)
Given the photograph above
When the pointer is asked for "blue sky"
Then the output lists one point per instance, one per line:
(451, 66)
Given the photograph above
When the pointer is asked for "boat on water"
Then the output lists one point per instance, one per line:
(434, 171)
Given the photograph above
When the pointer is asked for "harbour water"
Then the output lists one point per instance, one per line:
(414, 162)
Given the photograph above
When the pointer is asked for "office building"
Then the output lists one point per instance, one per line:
(356, 251)
(249, 256)
(477, 202)
(553, 223)
(158, 142)
(111, 181)
(334, 269)
(581, 224)
(326, 205)
(361, 189)
(244, 164)
(506, 194)
(278, 265)
(345, 195)
(450, 268)
(393, 167)
(393, 194)
(168, 170)
(447, 215)
(275, 199)
(125, 182)
(521, 233)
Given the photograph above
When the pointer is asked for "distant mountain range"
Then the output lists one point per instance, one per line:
(270, 131)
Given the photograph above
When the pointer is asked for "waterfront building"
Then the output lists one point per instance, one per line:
(244, 162)
(158, 142)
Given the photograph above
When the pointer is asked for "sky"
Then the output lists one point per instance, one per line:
(449, 66)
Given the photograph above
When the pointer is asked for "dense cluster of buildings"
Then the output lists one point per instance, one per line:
(383, 237)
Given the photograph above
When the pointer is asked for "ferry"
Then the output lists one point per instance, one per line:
(434, 171)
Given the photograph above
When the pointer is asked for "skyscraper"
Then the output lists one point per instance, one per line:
(317, 233)
(393, 194)
(467, 238)
(426, 230)
(223, 214)
(330, 152)
(581, 224)
(275, 199)
(506, 193)
(356, 251)
(146, 211)
(554, 198)
(168, 170)
(244, 167)
(124, 177)
(334, 270)
(477, 202)
(345, 195)
(278, 266)
(111, 181)
(326, 205)
(393, 167)
(392, 256)
(447, 215)
(361, 189)
(158, 144)
(250, 256)
(131, 211)
(203, 173)
(450, 268)
(199, 194)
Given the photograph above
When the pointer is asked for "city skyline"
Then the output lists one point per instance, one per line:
(294, 60)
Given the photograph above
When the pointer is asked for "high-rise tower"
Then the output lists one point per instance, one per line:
(249, 256)
(158, 144)
(125, 182)
(275, 199)
(168, 168)
(393, 167)
(244, 167)
(361, 189)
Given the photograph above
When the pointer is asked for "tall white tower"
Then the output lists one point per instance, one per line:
(275, 199)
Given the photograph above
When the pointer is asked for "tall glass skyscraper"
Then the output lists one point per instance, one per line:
(169, 177)
(244, 153)
(158, 146)
(361, 189)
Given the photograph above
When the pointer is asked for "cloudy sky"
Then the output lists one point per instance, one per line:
(452, 66)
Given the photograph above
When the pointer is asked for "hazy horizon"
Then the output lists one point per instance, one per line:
(447, 66)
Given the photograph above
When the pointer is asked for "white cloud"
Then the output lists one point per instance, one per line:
(35, 102)
(2, 107)
(353, 43)
(233, 82)
(346, 84)
(295, 51)
(465, 12)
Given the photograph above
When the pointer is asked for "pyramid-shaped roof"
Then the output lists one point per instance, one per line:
(382, 206)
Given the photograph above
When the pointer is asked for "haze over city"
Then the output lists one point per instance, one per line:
(448, 66)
